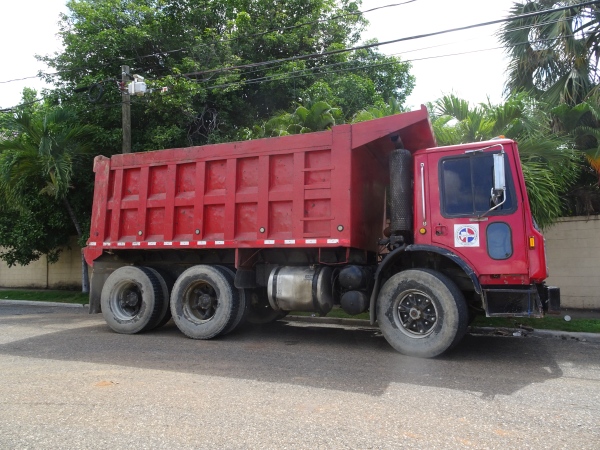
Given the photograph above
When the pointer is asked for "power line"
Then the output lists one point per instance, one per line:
(254, 70)
(22, 104)
(302, 57)
(393, 41)
(246, 36)
(262, 33)
(299, 74)
(346, 50)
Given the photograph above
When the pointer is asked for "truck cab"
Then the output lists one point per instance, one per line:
(490, 228)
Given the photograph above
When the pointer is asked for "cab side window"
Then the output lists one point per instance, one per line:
(466, 182)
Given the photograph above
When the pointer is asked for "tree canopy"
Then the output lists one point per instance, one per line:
(553, 55)
(216, 68)
(41, 159)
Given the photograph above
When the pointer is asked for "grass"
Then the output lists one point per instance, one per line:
(45, 296)
(547, 323)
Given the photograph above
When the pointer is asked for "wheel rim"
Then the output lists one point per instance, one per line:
(126, 302)
(415, 313)
(200, 302)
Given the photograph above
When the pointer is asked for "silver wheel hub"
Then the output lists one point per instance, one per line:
(415, 313)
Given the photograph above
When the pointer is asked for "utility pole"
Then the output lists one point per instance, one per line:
(126, 109)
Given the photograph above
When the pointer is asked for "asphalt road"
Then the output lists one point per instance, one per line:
(69, 382)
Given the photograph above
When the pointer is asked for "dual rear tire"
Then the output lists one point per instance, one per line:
(203, 301)
(134, 299)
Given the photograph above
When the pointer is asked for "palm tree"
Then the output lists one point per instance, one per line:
(377, 111)
(555, 55)
(317, 116)
(549, 163)
(44, 152)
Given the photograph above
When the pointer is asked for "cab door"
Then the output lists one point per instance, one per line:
(466, 218)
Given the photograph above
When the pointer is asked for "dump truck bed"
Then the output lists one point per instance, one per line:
(318, 189)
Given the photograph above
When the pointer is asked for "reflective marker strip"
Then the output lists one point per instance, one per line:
(226, 243)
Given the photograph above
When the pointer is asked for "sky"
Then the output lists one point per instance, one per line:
(30, 27)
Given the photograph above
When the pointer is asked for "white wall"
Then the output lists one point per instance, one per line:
(573, 252)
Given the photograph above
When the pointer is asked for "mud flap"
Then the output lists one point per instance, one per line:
(550, 296)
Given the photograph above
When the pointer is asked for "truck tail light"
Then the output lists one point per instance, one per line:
(531, 242)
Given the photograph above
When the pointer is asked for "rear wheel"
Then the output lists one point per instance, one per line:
(167, 281)
(422, 313)
(204, 302)
(132, 299)
(243, 305)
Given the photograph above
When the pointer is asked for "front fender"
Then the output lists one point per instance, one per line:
(393, 255)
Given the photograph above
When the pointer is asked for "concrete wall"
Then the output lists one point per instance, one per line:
(572, 244)
(573, 251)
(66, 273)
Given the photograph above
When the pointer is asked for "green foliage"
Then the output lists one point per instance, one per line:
(44, 151)
(554, 55)
(317, 116)
(582, 123)
(46, 296)
(190, 46)
(35, 228)
(45, 184)
(381, 109)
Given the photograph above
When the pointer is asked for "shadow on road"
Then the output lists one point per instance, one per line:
(355, 360)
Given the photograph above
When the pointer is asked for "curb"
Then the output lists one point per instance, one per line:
(489, 331)
(38, 303)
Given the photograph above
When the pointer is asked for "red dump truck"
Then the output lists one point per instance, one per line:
(364, 217)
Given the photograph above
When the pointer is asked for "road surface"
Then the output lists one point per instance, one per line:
(69, 382)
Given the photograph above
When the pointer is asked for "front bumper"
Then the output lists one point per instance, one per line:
(521, 301)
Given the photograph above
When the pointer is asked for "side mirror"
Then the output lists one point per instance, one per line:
(499, 189)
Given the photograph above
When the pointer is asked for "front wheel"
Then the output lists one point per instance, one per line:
(422, 313)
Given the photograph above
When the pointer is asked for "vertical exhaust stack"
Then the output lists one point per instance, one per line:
(401, 195)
